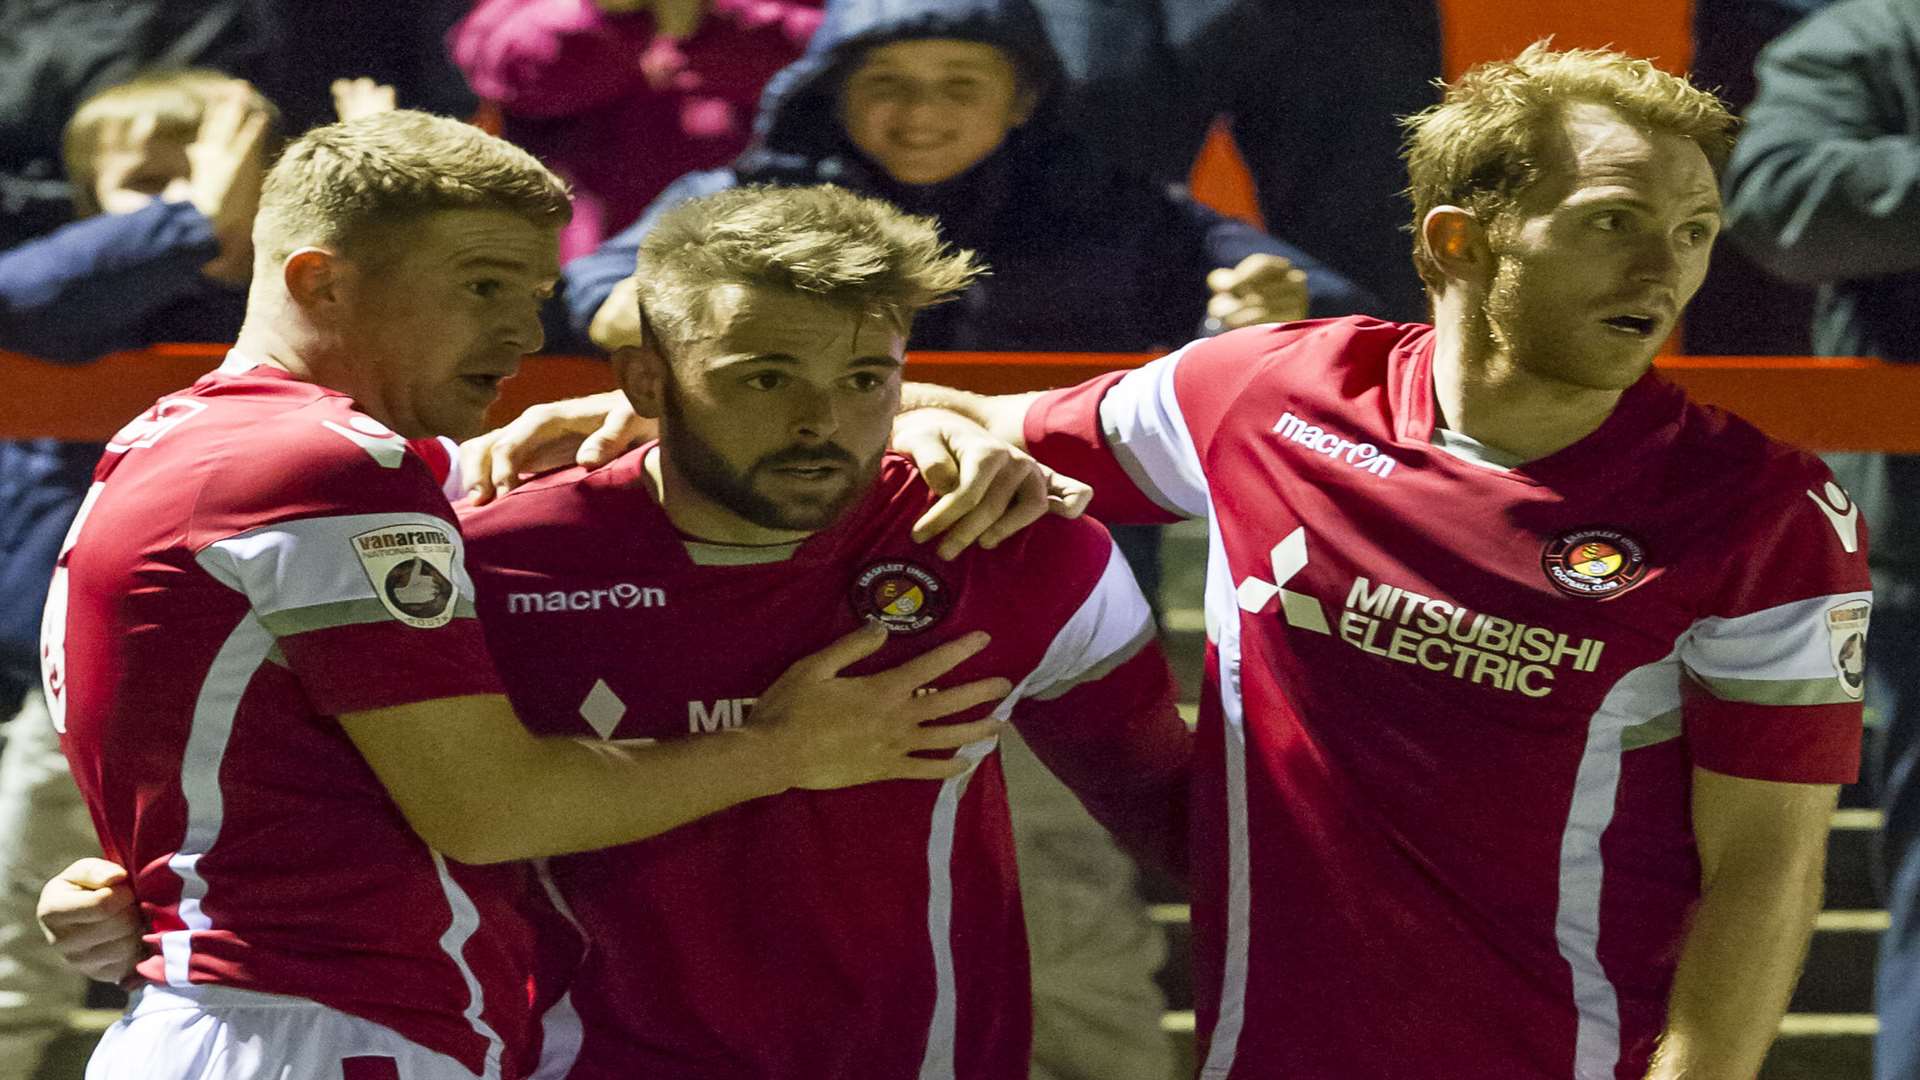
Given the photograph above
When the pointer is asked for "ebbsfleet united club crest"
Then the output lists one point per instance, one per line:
(411, 570)
(1847, 644)
(905, 596)
(1597, 563)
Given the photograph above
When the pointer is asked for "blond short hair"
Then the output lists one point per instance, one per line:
(1482, 147)
(174, 98)
(857, 252)
(337, 183)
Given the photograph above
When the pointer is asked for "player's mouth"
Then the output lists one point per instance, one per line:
(1637, 325)
(483, 384)
(811, 474)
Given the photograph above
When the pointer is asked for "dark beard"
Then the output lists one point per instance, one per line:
(709, 473)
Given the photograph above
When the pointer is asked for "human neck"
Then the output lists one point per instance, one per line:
(1485, 394)
(699, 518)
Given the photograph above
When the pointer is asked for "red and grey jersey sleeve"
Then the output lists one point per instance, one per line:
(365, 593)
(1099, 711)
(1776, 671)
(1124, 434)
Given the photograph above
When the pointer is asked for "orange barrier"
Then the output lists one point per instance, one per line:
(1819, 403)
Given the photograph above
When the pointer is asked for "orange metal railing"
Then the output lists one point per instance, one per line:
(1816, 402)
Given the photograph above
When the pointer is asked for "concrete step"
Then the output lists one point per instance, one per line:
(1838, 976)
(1810, 1047)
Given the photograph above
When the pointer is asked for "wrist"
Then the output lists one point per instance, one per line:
(766, 758)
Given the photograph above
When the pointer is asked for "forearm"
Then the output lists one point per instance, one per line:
(1740, 962)
(84, 289)
(1002, 414)
(569, 795)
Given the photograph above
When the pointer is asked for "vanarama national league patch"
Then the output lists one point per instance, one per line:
(905, 596)
(1847, 644)
(1598, 563)
(411, 570)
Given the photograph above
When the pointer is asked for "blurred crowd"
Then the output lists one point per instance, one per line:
(1051, 136)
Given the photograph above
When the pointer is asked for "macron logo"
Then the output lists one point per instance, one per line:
(1363, 456)
(624, 596)
(1841, 513)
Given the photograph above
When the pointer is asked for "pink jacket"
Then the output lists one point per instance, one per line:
(618, 109)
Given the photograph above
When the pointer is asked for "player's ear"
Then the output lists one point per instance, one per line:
(1457, 242)
(312, 277)
(642, 373)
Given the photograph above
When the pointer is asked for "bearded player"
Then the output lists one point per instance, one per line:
(875, 933)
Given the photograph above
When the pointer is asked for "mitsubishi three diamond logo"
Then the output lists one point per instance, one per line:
(1301, 611)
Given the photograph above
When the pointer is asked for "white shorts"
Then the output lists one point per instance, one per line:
(220, 1033)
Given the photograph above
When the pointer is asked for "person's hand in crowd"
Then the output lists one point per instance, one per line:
(989, 490)
(89, 917)
(1262, 288)
(355, 98)
(616, 324)
(587, 431)
(226, 162)
(842, 730)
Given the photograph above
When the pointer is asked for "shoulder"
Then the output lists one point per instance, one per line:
(551, 503)
(282, 455)
(1212, 373)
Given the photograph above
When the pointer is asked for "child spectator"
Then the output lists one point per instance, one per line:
(623, 96)
(166, 174)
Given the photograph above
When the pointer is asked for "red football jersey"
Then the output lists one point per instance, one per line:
(871, 933)
(1441, 811)
(256, 557)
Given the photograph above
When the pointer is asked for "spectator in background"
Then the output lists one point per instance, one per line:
(1313, 90)
(166, 171)
(1824, 188)
(1742, 310)
(55, 55)
(621, 97)
(947, 108)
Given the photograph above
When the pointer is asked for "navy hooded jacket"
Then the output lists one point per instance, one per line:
(108, 283)
(1082, 257)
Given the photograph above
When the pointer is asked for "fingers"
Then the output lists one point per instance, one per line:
(956, 699)
(845, 651)
(109, 962)
(999, 514)
(929, 665)
(1255, 267)
(622, 430)
(1028, 505)
(92, 873)
(979, 481)
(1067, 497)
(476, 470)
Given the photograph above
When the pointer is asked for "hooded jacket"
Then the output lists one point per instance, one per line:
(1822, 190)
(1082, 256)
(618, 108)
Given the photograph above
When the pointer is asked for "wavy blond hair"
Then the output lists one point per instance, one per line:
(1484, 144)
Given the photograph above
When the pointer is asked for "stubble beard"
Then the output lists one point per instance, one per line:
(708, 472)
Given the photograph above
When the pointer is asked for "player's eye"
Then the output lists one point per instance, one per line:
(1608, 221)
(767, 380)
(866, 382)
(485, 288)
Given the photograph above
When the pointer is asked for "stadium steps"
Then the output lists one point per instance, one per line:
(1828, 1032)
